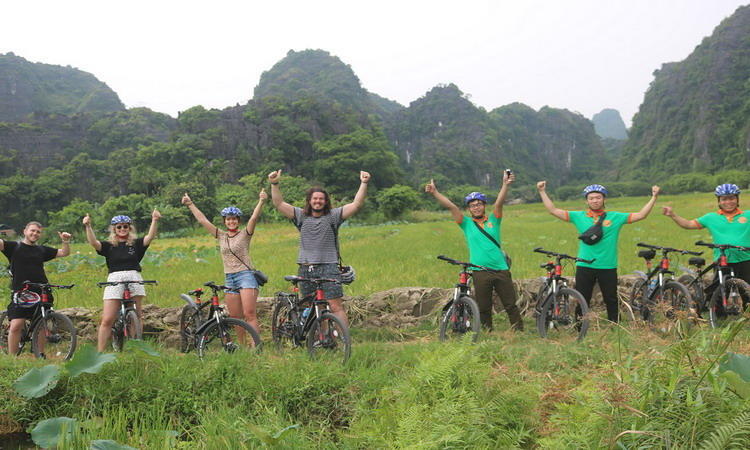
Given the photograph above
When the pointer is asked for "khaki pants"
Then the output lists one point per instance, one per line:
(502, 282)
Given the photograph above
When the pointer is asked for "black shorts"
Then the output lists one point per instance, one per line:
(20, 312)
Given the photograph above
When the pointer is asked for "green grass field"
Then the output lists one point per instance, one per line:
(385, 256)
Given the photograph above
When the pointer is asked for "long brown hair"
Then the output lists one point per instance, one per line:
(308, 195)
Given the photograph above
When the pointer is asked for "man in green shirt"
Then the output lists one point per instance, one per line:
(603, 269)
(482, 235)
(729, 225)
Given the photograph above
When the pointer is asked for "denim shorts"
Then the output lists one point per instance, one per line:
(244, 279)
(330, 290)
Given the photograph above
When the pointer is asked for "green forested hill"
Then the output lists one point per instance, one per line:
(608, 124)
(696, 113)
(27, 88)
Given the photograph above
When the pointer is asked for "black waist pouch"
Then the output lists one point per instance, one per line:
(595, 233)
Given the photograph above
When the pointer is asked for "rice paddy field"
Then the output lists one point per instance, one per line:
(623, 387)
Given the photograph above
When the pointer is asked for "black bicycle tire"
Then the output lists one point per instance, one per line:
(345, 336)
(543, 320)
(697, 293)
(713, 318)
(674, 284)
(228, 322)
(119, 339)
(474, 323)
(66, 323)
(636, 299)
(289, 314)
(189, 316)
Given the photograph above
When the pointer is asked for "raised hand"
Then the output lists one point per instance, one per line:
(364, 176)
(274, 176)
(263, 195)
(667, 211)
(655, 190)
(508, 179)
(542, 185)
(86, 220)
(186, 199)
(64, 236)
(156, 215)
(430, 187)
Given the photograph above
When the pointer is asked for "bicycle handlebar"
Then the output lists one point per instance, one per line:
(214, 286)
(115, 283)
(668, 249)
(47, 285)
(563, 256)
(722, 246)
(296, 279)
(456, 262)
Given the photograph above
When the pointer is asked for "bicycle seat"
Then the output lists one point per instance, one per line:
(696, 261)
(293, 278)
(647, 254)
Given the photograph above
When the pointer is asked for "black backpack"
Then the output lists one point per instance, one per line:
(595, 233)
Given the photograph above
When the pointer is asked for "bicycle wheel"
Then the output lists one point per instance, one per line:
(669, 304)
(637, 297)
(284, 325)
(190, 321)
(565, 314)
(228, 335)
(54, 337)
(695, 287)
(329, 338)
(728, 302)
(462, 317)
(129, 328)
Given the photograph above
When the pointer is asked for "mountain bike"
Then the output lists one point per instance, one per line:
(560, 310)
(127, 325)
(206, 327)
(298, 321)
(657, 295)
(52, 334)
(461, 313)
(726, 296)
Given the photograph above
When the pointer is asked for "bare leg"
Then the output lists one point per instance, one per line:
(337, 308)
(234, 305)
(249, 300)
(14, 335)
(109, 314)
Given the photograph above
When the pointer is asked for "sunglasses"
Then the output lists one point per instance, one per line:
(124, 226)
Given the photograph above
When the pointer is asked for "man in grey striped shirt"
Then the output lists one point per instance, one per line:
(318, 225)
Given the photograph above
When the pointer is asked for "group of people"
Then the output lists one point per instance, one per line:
(318, 223)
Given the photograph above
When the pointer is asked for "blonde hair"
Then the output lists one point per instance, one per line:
(113, 236)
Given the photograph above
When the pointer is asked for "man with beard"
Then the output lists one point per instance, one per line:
(27, 264)
(603, 269)
(318, 225)
(729, 225)
(482, 234)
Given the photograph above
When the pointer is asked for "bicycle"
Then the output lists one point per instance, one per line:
(728, 295)
(308, 320)
(559, 308)
(657, 293)
(52, 334)
(127, 325)
(461, 313)
(199, 328)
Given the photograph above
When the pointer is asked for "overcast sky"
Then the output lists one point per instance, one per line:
(171, 55)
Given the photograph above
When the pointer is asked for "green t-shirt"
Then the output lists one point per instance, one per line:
(482, 251)
(729, 230)
(605, 251)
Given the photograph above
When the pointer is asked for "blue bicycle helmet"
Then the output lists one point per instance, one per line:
(595, 188)
(231, 211)
(120, 219)
(727, 189)
(475, 196)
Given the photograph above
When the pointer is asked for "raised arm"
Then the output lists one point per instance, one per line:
(155, 216)
(262, 197)
(90, 234)
(351, 209)
(65, 250)
(444, 202)
(555, 211)
(646, 210)
(278, 200)
(507, 180)
(199, 216)
(681, 221)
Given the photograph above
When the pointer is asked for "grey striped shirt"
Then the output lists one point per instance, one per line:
(317, 239)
